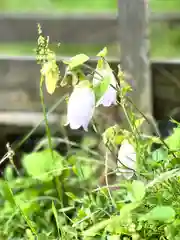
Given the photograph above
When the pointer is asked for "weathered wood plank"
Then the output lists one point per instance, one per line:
(21, 119)
(165, 17)
(67, 28)
(64, 28)
(134, 44)
(19, 84)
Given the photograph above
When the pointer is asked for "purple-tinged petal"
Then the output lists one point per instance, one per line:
(110, 95)
(80, 107)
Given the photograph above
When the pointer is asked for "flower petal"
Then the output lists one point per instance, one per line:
(80, 107)
(127, 155)
(110, 95)
(126, 173)
(109, 98)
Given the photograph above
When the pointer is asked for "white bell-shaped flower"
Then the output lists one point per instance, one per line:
(81, 107)
(110, 95)
(127, 160)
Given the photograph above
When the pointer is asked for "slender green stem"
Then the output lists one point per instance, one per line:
(155, 128)
(56, 180)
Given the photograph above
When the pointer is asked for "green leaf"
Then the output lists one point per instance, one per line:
(29, 234)
(75, 170)
(77, 60)
(160, 213)
(89, 142)
(50, 71)
(102, 87)
(103, 52)
(110, 135)
(160, 154)
(42, 165)
(42, 236)
(8, 173)
(127, 208)
(25, 200)
(138, 190)
(139, 122)
(115, 226)
(67, 79)
(56, 218)
(71, 195)
(74, 79)
(114, 237)
(94, 230)
(7, 193)
(173, 141)
(83, 84)
(118, 139)
(18, 202)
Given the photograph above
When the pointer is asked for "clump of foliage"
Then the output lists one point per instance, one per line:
(58, 197)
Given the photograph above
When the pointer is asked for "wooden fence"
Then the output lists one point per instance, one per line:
(19, 75)
(74, 28)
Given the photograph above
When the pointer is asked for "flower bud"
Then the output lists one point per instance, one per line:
(127, 159)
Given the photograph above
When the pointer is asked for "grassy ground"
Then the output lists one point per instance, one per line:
(165, 42)
(57, 5)
(71, 5)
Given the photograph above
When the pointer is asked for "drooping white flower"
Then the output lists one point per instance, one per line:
(127, 160)
(80, 107)
(110, 95)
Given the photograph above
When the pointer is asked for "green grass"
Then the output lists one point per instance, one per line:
(64, 49)
(58, 5)
(165, 5)
(78, 5)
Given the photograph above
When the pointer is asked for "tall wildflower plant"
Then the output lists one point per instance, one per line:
(104, 88)
(143, 198)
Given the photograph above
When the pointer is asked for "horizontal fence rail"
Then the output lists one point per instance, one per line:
(19, 75)
(20, 78)
(70, 29)
(67, 28)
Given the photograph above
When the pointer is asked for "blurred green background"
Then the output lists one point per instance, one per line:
(165, 40)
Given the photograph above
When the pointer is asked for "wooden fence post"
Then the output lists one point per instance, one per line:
(134, 45)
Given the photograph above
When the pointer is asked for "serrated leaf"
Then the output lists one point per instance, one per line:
(160, 213)
(77, 60)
